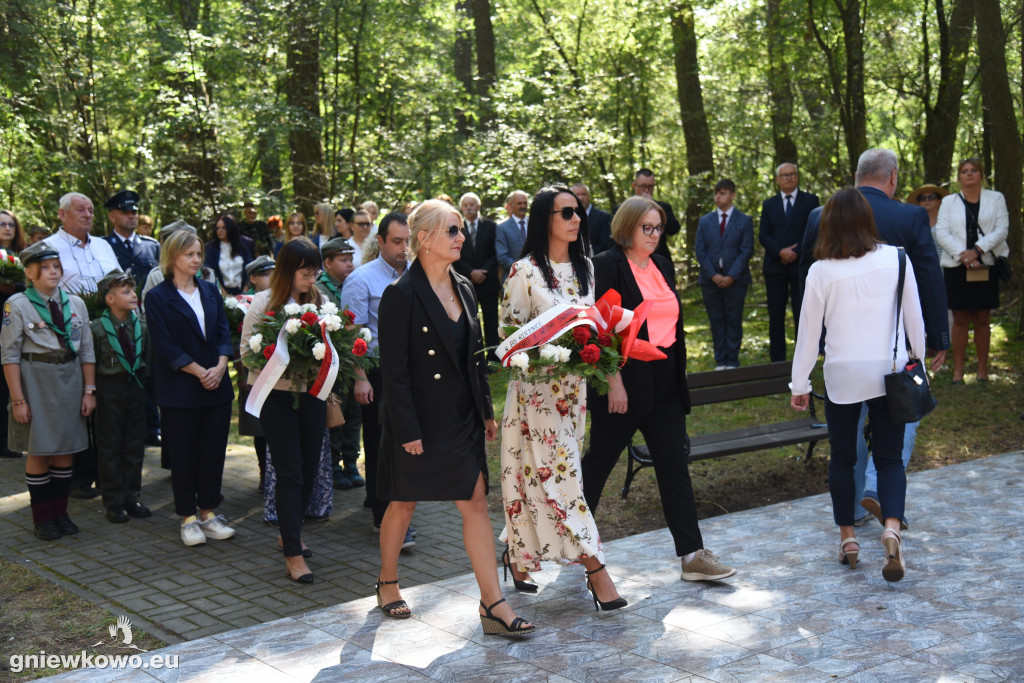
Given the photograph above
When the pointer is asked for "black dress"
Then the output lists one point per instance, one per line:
(962, 295)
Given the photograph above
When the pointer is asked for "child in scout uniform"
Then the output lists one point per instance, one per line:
(259, 271)
(337, 254)
(48, 360)
(122, 349)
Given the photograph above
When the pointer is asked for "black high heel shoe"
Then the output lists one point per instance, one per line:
(520, 585)
(617, 603)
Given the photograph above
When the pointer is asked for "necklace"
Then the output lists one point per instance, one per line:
(443, 295)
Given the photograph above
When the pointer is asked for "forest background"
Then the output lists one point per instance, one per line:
(199, 104)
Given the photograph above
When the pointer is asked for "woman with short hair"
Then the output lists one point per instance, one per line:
(851, 292)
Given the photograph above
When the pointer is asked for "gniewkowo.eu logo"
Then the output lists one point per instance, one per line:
(120, 639)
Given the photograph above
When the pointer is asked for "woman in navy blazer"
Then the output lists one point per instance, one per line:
(192, 343)
(650, 396)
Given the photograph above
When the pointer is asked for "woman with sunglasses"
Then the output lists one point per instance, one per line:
(546, 514)
(436, 411)
(650, 396)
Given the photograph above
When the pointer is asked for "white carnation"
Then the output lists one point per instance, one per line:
(564, 354)
(520, 360)
(230, 302)
(333, 322)
(256, 342)
(549, 352)
(319, 349)
(309, 308)
(365, 334)
(292, 309)
(328, 309)
(293, 325)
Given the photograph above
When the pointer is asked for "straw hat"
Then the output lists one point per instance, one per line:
(927, 188)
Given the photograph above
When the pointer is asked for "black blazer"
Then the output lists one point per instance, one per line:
(417, 358)
(600, 230)
(612, 271)
(212, 262)
(178, 340)
(776, 232)
(480, 253)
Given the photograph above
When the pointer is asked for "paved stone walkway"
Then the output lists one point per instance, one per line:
(792, 614)
(178, 593)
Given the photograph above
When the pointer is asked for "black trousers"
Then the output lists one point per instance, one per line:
(120, 438)
(489, 311)
(781, 288)
(294, 436)
(371, 446)
(664, 430)
(195, 440)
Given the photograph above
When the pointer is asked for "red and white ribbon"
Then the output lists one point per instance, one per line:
(271, 372)
(328, 372)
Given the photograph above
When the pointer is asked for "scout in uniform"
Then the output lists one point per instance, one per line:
(48, 360)
(337, 254)
(122, 353)
(259, 271)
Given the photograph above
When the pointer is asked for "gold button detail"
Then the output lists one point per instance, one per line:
(425, 328)
(430, 352)
(437, 376)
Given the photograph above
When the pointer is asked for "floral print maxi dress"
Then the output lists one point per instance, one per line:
(546, 515)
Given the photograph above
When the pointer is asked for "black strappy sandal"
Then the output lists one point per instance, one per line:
(524, 586)
(617, 603)
(493, 626)
(389, 609)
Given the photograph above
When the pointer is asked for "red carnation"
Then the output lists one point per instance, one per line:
(581, 334)
(359, 347)
(590, 353)
(544, 473)
(309, 318)
(350, 315)
(270, 314)
(10, 257)
(604, 339)
(268, 351)
(239, 328)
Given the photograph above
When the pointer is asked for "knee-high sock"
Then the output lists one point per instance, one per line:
(60, 484)
(39, 496)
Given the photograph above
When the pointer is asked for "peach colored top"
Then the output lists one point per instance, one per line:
(661, 321)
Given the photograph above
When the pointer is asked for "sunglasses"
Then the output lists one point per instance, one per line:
(5, 224)
(927, 197)
(452, 230)
(568, 211)
(363, 225)
(651, 229)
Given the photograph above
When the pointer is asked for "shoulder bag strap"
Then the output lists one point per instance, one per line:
(899, 301)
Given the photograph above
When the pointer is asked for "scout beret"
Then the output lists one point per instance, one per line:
(177, 225)
(335, 246)
(114, 277)
(40, 251)
(259, 265)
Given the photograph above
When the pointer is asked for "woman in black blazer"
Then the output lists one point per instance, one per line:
(651, 396)
(436, 410)
(190, 336)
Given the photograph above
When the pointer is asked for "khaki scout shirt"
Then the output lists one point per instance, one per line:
(25, 332)
(107, 362)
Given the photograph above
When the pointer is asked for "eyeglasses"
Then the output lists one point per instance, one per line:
(311, 274)
(644, 186)
(6, 224)
(920, 198)
(794, 174)
(568, 211)
(363, 225)
(651, 229)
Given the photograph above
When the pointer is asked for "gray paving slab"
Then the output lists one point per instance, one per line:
(791, 614)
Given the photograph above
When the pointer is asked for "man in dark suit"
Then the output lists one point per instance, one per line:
(724, 245)
(783, 219)
(510, 234)
(599, 222)
(901, 225)
(479, 263)
(136, 254)
(643, 186)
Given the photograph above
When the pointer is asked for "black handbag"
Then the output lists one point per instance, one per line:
(906, 391)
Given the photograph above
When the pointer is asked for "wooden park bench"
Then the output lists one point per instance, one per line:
(735, 385)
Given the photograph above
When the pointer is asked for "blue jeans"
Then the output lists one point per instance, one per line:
(886, 441)
(865, 475)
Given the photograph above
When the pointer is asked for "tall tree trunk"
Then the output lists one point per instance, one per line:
(1007, 148)
(463, 61)
(700, 162)
(942, 118)
(309, 182)
(486, 65)
(779, 85)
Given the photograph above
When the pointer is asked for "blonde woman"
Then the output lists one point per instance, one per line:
(294, 227)
(323, 224)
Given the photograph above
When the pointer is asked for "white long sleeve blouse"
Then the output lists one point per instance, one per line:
(855, 300)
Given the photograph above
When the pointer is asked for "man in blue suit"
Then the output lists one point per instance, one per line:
(599, 222)
(724, 244)
(901, 225)
(511, 233)
(136, 254)
(783, 219)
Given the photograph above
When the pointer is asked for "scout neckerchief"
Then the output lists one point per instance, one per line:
(115, 343)
(44, 313)
(327, 282)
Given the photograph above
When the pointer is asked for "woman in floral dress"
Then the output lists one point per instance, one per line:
(546, 514)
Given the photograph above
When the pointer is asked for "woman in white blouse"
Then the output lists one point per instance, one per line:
(228, 254)
(971, 232)
(851, 291)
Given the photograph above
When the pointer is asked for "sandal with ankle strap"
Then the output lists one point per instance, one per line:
(495, 626)
(524, 586)
(849, 556)
(894, 568)
(389, 609)
(617, 603)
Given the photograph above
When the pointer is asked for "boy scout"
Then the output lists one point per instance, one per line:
(122, 349)
(337, 258)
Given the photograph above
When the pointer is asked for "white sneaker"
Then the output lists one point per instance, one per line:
(191, 533)
(216, 528)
